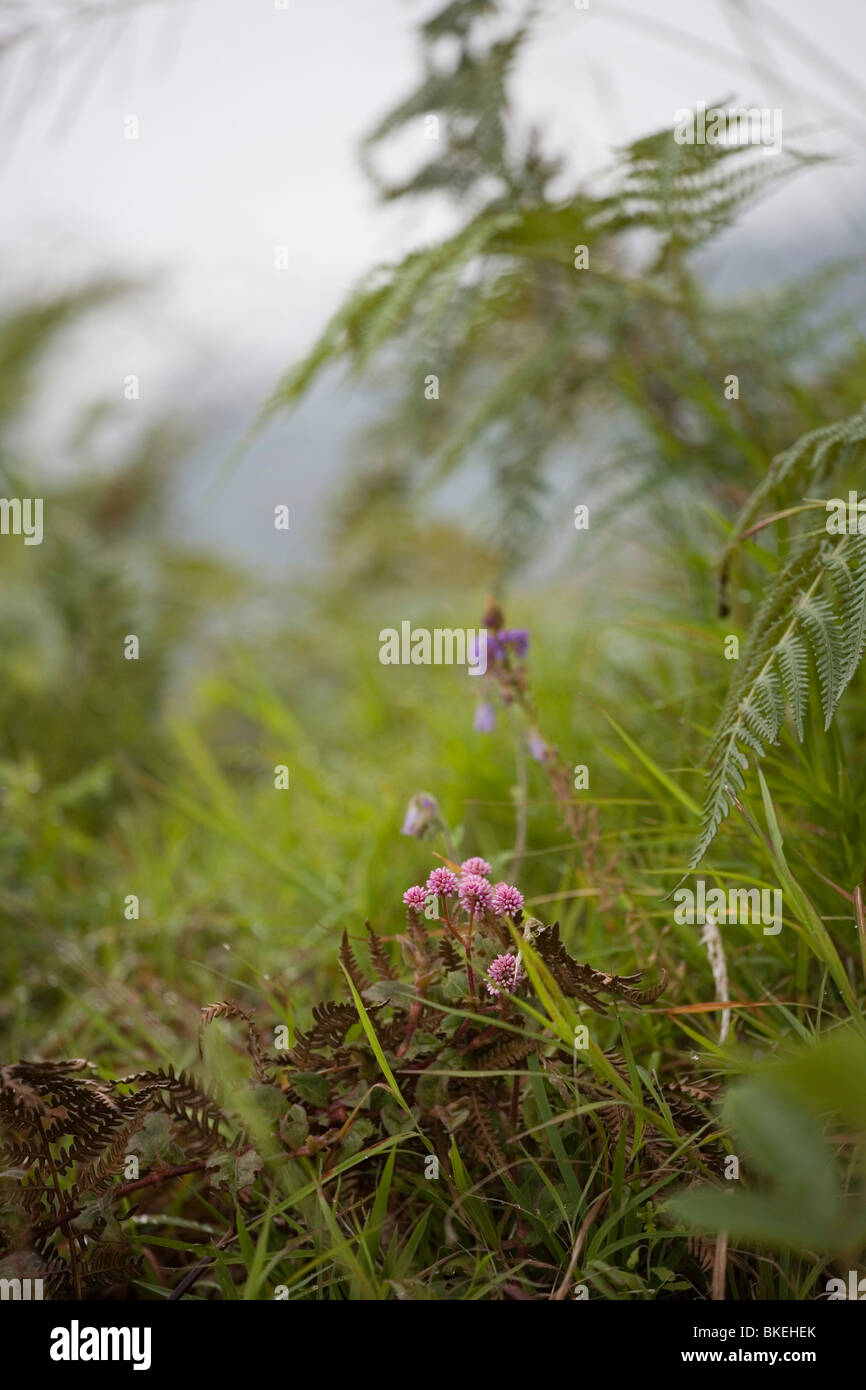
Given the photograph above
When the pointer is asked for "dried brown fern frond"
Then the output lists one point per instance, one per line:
(379, 956)
(105, 1130)
(193, 1108)
(447, 955)
(580, 981)
(303, 1057)
(690, 1121)
(331, 1023)
(227, 1008)
(505, 1055)
(33, 1093)
(97, 1175)
(109, 1265)
(353, 970)
(481, 1131)
(44, 1102)
(69, 1136)
(392, 1031)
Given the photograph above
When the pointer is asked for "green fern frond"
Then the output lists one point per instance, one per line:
(689, 193)
(793, 662)
(797, 621)
(854, 634)
(457, 18)
(378, 310)
(804, 466)
(817, 618)
(471, 98)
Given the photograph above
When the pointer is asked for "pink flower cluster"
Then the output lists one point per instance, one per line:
(505, 973)
(416, 896)
(475, 866)
(507, 900)
(474, 891)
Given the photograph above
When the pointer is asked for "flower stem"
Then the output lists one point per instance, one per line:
(470, 974)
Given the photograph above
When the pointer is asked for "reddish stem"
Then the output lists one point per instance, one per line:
(470, 974)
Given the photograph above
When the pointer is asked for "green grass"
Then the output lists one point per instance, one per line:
(244, 891)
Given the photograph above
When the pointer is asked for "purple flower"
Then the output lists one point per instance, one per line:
(537, 746)
(507, 899)
(505, 973)
(475, 866)
(415, 897)
(422, 815)
(479, 652)
(485, 718)
(516, 637)
(442, 882)
(475, 892)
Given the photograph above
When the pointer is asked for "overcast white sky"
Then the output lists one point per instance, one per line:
(250, 118)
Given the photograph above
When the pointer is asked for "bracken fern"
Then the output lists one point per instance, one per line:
(812, 620)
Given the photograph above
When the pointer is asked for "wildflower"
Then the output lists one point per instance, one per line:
(516, 637)
(422, 816)
(415, 896)
(475, 892)
(475, 866)
(442, 882)
(537, 746)
(495, 649)
(485, 718)
(478, 651)
(505, 972)
(507, 899)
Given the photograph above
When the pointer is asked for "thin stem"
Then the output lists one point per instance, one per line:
(470, 973)
(515, 1104)
(860, 915)
(720, 1265)
(450, 846)
(522, 807)
(158, 1176)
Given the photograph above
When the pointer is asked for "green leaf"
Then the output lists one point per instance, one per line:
(311, 1087)
(294, 1126)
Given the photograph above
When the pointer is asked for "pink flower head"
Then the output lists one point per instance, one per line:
(442, 882)
(475, 866)
(475, 892)
(507, 899)
(416, 896)
(505, 973)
